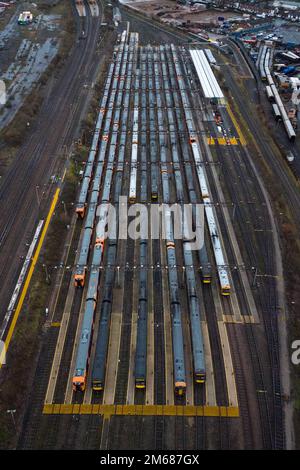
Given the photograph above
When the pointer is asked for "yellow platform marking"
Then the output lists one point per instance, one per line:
(210, 141)
(236, 125)
(143, 410)
(28, 279)
(55, 324)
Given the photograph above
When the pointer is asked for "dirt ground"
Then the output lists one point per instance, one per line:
(26, 52)
(167, 8)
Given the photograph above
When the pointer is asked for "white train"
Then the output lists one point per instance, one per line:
(272, 92)
(134, 145)
(209, 211)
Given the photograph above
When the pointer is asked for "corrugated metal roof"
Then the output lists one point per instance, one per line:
(209, 83)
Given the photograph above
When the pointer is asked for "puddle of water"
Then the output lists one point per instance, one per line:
(22, 77)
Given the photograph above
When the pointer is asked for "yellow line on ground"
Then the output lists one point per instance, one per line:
(28, 279)
(210, 141)
(236, 125)
(143, 410)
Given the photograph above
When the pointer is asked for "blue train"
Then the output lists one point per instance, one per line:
(99, 365)
(79, 379)
(141, 342)
(83, 353)
(100, 359)
(110, 93)
(196, 331)
(194, 308)
(82, 200)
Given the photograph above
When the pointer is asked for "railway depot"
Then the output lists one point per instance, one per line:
(158, 342)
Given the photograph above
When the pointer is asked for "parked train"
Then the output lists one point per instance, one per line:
(81, 267)
(99, 364)
(100, 359)
(134, 144)
(285, 119)
(263, 65)
(83, 353)
(199, 368)
(140, 372)
(82, 361)
(176, 314)
(198, 160)
(194, 307)
(83, 195)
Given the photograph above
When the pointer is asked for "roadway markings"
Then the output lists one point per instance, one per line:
(143, 410)
(236, 125)
(28, 279)
(223, 141)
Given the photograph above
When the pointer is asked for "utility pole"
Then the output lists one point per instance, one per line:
(118, 276)
(64, 205)
(37, 195)
(12, 414)
(46, 273)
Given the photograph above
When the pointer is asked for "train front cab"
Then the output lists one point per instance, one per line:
(132, 199)
(80, 211)
(79, 380)
(79, 278)
(225, 290)
(100, 241)
(140, 383)
(97, 385)
(200, 377)
(180, 389)
(205, 276)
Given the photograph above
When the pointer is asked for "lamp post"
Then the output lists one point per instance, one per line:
(12, 414)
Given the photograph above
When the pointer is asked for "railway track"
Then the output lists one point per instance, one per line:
(263, 402)
(85, 429)
(270, 410)
(30, 437)
(124, 351)
(38, 157)
(245, 213)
